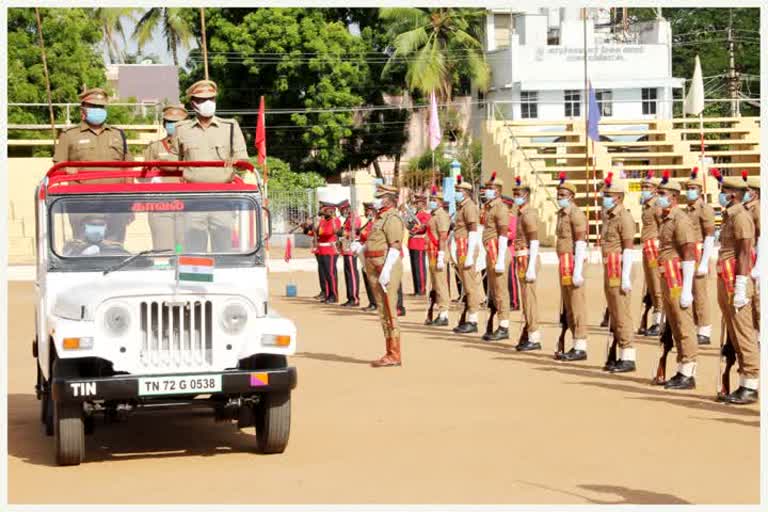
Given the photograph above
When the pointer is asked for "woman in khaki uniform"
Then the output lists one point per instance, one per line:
(495, 220)
(649, 236)
(467, 240)
(527, 258)
(734, 286)
(677, 261)
(437, 238)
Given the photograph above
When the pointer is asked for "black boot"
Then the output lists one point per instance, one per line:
(401, 312)
(573, 355)
(370, 307)
(653, 330)
(609, 365)
(502, 333)
(742, 396)
(428, 322)
(622, 366)
(527, 346)
(680, 381)
(703, 340)
(642, 331)
(606, 319)
(347, 304)
(465, 328)
(440, 321)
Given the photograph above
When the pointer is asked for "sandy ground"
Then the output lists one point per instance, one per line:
(462, 422)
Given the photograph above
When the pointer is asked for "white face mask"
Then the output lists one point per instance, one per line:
(378, 204)
(206, 108)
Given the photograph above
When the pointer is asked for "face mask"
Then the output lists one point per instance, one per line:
(206, 108)
(563, 203)
(433, 205)
(95, 115)
(519, 201)
(692, 194)
(378, 203)
(724, 199)
(94, 233)
(170, 128)
(747, 197)
(645, 195)
(459, 196)
(608, 202)
(663, 202)
(489, 194)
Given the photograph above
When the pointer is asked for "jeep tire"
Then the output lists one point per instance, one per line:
(273, 421)
(70, 433)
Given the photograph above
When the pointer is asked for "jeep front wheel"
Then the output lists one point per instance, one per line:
(273, 421)
(70, 433)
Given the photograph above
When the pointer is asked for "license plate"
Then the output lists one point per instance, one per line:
(179, 385)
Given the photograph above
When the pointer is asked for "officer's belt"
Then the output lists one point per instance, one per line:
(374, 254)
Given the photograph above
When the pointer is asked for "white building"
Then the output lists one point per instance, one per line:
(537, 64)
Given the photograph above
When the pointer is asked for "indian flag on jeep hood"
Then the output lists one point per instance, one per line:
(195, 268)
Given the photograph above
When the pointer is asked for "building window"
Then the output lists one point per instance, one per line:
(605, 102)
(572, 103)
(649, 100)
(529, 108)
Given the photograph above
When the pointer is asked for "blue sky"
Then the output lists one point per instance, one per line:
(155, 47)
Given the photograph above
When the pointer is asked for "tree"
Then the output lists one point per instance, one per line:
(110, 20)
(175, 29)
(441, 47)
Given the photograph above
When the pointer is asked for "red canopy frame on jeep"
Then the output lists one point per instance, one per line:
(58, 180)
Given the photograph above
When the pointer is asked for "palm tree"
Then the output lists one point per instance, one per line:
(111, 23)
(176, 30)
(436, 45)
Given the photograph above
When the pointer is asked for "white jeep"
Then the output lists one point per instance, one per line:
(154, 293)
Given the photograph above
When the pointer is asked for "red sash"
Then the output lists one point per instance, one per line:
(753, 256)
(698, 250)
(726, 269)
(521, 258)
(461, 249)
(613, 269)
(566, 269)
(433, 247)
(491, 251)
(673, 275)
(651, 251)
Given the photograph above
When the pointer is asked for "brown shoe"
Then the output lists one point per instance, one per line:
(392, 357)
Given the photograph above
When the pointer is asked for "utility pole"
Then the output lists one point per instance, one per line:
(733, 85)
(205, 45)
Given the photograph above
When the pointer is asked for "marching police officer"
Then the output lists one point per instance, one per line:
(94, 140)
(437, 238)
(495, 220)
(527, 256)
(384, 269)
(735, 289)
(208, 137)
(467, 240)
(166, 231)
(417, 246)
(677, 261)
(347, 235)
(649, 235)
(702, 217)
(618, 233)
(571, 247)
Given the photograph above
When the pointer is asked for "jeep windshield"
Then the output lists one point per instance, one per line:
(99, 231)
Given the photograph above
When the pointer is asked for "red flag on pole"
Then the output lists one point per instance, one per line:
(261, 134)
(287, 256)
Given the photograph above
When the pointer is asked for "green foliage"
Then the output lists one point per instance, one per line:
(282, 178)
(174, 26)
(110, 21)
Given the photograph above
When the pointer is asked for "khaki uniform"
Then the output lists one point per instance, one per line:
(737, 225)
(166, 227)
(649, 235)
(496, 223)
(570, 221)
(468, 213)
(618, 226)
(753, 207)
(86, 144)
(221, 140)
(675, 232)
(388, 228)
(702, 218)
(437, 229)
(527, 229)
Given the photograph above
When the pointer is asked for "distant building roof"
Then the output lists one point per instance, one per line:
(145, 82)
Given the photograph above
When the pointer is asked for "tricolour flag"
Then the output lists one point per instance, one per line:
(194, 268)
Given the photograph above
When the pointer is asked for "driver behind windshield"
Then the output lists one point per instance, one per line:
(91, 240)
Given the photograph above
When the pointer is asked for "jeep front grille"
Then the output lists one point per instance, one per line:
(176, 334)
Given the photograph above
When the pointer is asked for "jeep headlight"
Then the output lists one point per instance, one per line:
(233, 318)
(117, 320)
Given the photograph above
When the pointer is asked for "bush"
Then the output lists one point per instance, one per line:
(282, 178)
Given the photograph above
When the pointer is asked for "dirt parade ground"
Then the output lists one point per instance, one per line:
(463, 421)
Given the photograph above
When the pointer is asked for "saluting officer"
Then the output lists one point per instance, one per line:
(437, 239)
(166, 231)
(677, 261)
(384, 268)
(495, 219)
(527, 256)
(753, 207)
(467, 240)
(649, 235)
(571, 247)
(702, 217)
(94, 140)
(208, 137)
(618, 233)
(735, 289)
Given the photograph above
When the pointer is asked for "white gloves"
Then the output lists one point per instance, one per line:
(91, 250)
(356, 247)
(755, 274)
(578, 263)
(686, 297)
(706, 254)
(441, 260)
(533, 253)
(392, 255)
(626, 270)
(472, 240)
(740, 292)
(502, 257)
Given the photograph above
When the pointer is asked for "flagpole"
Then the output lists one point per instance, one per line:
(701, 158)
(591, 183)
